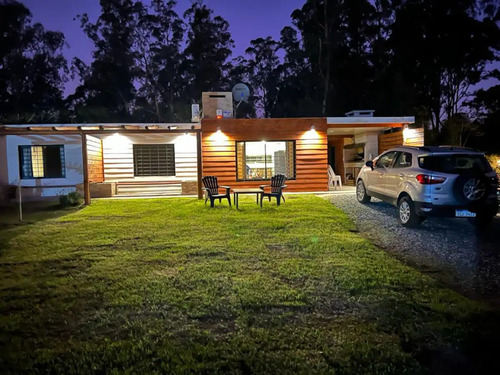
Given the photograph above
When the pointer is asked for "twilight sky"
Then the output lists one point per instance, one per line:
(248, 19)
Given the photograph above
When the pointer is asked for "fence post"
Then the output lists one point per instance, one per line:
(20, 195)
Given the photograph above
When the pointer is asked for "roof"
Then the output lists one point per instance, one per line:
(398, 121)
(99, 128)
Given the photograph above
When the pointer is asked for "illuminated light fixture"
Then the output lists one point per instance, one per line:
(218, 114)
(313, 127)
(218, 129)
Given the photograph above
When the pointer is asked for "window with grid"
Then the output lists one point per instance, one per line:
(262, 160)
(154, 160)
(42, 161)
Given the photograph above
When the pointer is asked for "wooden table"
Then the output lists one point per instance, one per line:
(237, 192)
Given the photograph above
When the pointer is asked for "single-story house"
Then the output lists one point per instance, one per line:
(103, 160)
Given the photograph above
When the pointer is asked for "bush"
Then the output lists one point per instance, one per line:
(71, 199)
(494, 160)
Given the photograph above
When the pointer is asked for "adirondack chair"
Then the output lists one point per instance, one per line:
(333, 180)
(212, 190)
(275, 189)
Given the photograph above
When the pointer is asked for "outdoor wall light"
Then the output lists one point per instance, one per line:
(218, 129)
(313, 127)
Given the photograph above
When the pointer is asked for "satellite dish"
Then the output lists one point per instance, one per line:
(241, 92)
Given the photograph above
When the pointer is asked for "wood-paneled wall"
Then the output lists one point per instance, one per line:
(311, 160)
(119, 158)
(412, 137)
(95, 160)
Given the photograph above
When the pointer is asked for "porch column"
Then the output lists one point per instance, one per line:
(85, 167)
(198, 162)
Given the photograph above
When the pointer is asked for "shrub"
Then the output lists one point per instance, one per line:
(71, 199)
(494, 160)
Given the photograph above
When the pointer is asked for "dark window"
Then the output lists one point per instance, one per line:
(385, 160)
(42, 161)
(261, 160)
(457, 163)
(403, 160)
(154, 160)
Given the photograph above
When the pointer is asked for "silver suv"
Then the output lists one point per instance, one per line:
(431, 181)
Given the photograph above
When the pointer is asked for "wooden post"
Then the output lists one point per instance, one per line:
(198, 162)
(20, 194)
(86, 184)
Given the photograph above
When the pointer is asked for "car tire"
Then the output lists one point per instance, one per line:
(361, 194)
(406, 213)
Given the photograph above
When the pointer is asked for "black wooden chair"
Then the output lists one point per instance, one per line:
(275, 189)
(212, 190)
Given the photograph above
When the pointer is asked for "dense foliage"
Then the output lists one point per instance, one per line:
(399, 57)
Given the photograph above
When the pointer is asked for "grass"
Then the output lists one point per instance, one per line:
(172, 286)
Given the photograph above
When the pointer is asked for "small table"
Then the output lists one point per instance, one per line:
(237, 192)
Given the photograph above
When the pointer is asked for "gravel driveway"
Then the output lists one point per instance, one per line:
(451, 250)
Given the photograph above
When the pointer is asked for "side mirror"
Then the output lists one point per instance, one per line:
(369, 163)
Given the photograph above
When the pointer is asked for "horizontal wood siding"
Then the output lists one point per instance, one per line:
(119, 158)
(389, 140)
(95, 160)
(408, 137)
(414, 137)
(219, 149)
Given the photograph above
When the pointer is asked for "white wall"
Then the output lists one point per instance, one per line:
(72, 156)
(370, 139)
(4, 177)
(119, 159)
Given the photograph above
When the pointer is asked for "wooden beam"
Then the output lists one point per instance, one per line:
(198, 162)
(86, 183)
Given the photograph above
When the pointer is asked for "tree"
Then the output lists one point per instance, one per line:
(208, 47)
(32, 68)
(297, 92)
(263, 68)
(338, 38)
(107, 91)
(157, 41)
(440, 50)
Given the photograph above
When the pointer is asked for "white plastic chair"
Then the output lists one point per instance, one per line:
(334, 180)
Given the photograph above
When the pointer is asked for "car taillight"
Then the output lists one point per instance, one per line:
(427, 179)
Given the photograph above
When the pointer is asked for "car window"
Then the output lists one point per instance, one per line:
(385, 160)
(403, 160)
(455, 163)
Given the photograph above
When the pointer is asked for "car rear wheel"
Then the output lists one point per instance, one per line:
(361, 192)
(406, 213)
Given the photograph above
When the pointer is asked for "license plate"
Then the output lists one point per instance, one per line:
(464, 213)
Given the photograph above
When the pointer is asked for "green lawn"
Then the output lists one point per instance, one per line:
(172, 286)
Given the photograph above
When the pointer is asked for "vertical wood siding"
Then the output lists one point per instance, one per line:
(219, 149)
(95, 160)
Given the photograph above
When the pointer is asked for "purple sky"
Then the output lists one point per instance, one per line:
(248, 19)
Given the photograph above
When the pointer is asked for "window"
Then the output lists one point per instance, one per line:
(455, 163)
(385, 160)
(403, 160)
(42, 161)
(262, 160)
(154, 160)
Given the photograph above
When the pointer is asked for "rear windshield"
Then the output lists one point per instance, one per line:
(455, 164)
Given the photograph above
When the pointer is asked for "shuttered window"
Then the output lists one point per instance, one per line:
(42, 161)
(154, 160)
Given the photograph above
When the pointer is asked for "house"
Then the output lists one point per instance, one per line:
(105, 160)
(99, 160)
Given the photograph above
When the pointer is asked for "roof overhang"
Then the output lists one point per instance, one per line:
(99, 128)
(358, 125)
